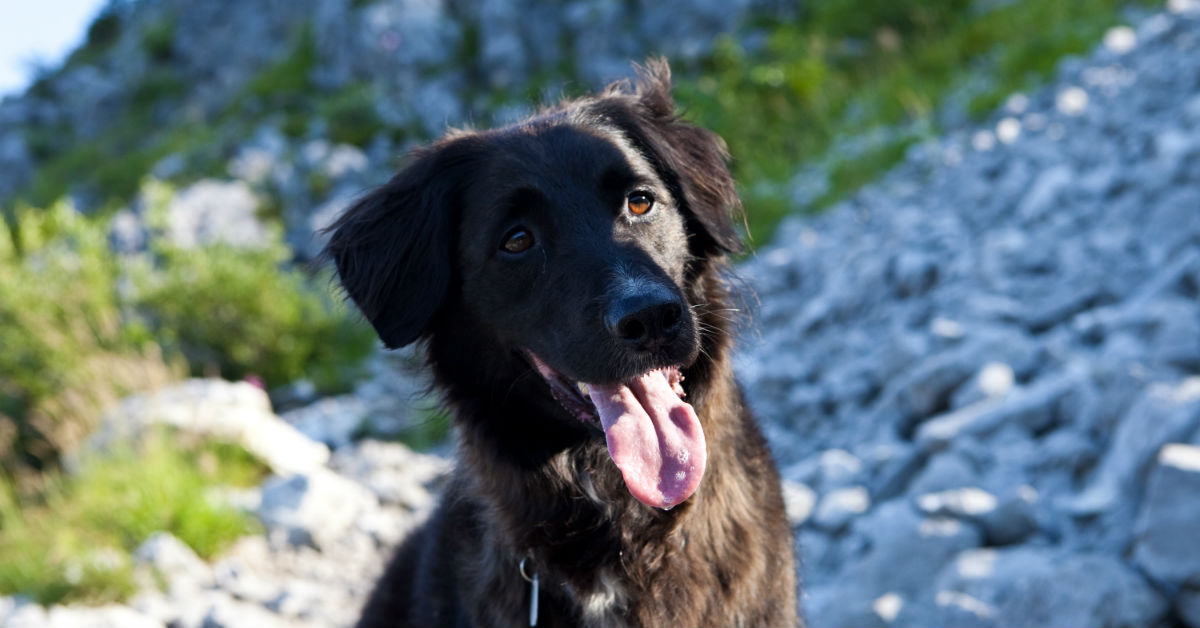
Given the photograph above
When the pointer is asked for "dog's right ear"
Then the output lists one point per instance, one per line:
(394, 247)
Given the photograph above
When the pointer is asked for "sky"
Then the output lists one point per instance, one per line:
(39, 31)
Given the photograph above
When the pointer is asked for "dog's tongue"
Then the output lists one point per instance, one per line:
(654, 438)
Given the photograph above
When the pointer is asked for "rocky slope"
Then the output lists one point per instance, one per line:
(982, 374)
(981, 378)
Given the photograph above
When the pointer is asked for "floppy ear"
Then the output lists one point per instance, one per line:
(691, 159)
(394, 247)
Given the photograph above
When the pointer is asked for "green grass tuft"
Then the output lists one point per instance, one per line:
(846, 68)
(72, 541)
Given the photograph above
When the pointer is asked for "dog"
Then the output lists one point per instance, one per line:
(568, 278)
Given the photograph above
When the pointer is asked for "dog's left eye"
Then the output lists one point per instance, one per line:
(517, 241)
(639, 203)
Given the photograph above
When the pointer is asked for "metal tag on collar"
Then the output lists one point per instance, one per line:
(533, 593)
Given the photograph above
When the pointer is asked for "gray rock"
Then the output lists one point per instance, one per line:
(894, 467)
(244, 582)
(1003, 521)
(173, 560)
(944, 471)
(110, 616)
(964, 503)
(298, 599)
(225, 612)
(238, 412)
(394, 473)
(913, 273)
(838, 508)
(334, 421)
(156, 605)
(1166, 530)
(1023, 587)
(1014, 520)
(994, 380)
(1187, 605)
(1164, 413)
(838, 468)
(24, 613)
(215, 211)
(1034, 408)
(1044, 194)
(315, 508)
(922, 390)
(799, 500)
(902, 550)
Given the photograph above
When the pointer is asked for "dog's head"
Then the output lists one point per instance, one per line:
(574, 239)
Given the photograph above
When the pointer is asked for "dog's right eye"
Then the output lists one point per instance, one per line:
(517, 241)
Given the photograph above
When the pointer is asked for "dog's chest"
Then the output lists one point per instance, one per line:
(603, 604)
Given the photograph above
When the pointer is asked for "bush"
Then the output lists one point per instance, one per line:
(69, 349)
(351, 115)
(82, 327)
(238, 312)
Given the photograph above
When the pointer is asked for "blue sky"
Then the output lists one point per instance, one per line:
(39, 31)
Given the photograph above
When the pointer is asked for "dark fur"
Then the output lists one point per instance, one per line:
(419, 257)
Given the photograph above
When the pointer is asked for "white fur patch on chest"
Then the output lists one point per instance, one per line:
(602, 606)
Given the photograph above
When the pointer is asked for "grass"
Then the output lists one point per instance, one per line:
(846, 68)
(68, 349)
(72, 541)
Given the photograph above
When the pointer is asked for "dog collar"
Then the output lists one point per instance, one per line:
(533, 591)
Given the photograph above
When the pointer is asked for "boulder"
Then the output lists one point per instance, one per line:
(174, 561)
(236, 411)
(1166, 543)
(316, 508)
(1027, 586)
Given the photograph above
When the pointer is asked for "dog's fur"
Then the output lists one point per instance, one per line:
(421, 257)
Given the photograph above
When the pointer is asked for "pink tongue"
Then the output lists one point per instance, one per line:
(654, 438)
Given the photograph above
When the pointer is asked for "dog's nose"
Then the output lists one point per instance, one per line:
(646, 320)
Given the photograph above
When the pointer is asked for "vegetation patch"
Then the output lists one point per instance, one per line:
(846, 68)
(81, 326)
(72, 541)
(70, 348)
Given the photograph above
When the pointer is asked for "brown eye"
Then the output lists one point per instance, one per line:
(639, 203)
(517, 241)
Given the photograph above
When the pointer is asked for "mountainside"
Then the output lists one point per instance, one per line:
(980, 374)
(983, 372)
(179, 89)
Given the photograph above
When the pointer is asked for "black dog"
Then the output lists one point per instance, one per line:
(566, 273)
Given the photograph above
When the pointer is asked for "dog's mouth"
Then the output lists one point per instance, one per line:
(653, 436)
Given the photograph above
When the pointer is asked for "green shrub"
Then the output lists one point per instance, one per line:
(82, 327)
(68, 349)
(351, 115)
(158, 40)
(72, 542)
(239, 312)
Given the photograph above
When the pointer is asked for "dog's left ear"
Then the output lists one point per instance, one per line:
(692, 160)
(393, 248)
